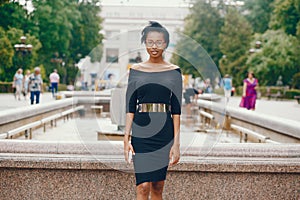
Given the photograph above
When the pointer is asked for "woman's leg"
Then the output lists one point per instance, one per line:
(157, 190)
(18, 91)
(142, 191)
(31, 98)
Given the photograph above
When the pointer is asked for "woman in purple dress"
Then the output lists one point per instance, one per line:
(249, 92)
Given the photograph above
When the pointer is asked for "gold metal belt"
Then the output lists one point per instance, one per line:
(153, 107)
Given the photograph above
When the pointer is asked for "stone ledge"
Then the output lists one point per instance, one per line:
(116, 148)
(109, 155)
(187, 163)
(45, 170)
(281, 125)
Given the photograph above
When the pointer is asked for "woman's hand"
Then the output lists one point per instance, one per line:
(127, 149)
(174, 155)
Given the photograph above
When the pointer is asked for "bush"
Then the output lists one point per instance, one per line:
(296, 81)
(61, 87)
(6, 87)
(291, 93)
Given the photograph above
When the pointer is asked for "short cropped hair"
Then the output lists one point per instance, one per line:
(155, 27)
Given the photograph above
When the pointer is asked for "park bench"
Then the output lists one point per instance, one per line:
(276, 96)
(246, 133)
(25, 128)
(50, 119)
(207, 119)
(69, 113)
(28, 127)
(97, 109)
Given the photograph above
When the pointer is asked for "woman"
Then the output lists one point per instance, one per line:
(153, 108)
(249, 92)
(227, 87)
(26, 83)
(18, 79)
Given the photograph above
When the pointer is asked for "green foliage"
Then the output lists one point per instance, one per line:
(258, 13)
(96, 53)
(56, 20)
(86, 33)
(13, 15)
(6, 87)
(198, 48)
(6, 54)
(286, 16)
(203, 24)
(291, 93)
(2, 2)
(235, 37)
(25, 60)
(296, 81)
(278, 56)
(68, 30)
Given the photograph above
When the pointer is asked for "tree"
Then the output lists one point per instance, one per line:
(67, 30)
(277, 57)
(203, 25)
(61, 31)
(86, 35)
(235, 37)
(6, 55)
(200, 37)
(2, 2)
(14, 15)
(56, 20)
(258, 13)
(286, 16)
(25, 60)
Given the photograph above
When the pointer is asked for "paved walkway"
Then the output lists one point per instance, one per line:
(288, 109)
(85, 130)
(8, 100)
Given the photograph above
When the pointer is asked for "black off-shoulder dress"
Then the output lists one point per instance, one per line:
(153, 132)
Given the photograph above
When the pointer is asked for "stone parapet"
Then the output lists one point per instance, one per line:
(51, 170)
(277, 128)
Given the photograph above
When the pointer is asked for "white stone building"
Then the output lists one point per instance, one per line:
(122, 28)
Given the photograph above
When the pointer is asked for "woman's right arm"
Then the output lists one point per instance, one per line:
(131, 100)
(127, 145)
(244, 89)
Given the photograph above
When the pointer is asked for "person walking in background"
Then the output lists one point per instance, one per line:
(208, 86)
(227, 87)
(54, 80)
(35, 86)
(111, 82)
(249, 92)
(153, 108)
(26, 83)
(190, 93)
(18, 82)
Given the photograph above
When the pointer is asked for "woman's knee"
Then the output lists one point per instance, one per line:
(157, 187)
(143, 188)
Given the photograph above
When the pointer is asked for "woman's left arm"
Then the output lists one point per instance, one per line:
(257, 86)
(175, 150)
(176, 111)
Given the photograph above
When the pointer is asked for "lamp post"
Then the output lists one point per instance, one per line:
(23, 48)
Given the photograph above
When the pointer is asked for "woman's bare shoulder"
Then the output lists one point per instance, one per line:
(135, 66)
(172, 66)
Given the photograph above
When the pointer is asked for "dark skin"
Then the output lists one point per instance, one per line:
(155, 63)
